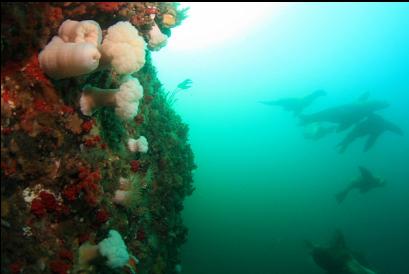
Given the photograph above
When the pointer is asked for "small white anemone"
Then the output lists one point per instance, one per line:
(129, 193)
(157, 39)
(122, 195)
(114, 249)
(138, 145)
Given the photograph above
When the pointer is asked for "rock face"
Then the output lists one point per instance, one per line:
(60, 169)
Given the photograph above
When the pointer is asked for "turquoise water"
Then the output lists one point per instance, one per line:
(261, 188)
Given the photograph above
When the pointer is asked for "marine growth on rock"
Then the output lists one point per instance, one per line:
(63, 163)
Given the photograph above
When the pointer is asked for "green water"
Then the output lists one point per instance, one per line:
(261, 188)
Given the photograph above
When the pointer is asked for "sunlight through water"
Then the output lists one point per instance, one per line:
(211, 24)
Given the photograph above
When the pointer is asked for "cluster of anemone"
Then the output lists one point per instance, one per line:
(80, 49)
(74, 51)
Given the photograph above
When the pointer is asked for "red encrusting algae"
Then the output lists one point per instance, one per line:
(109, 6)
(92, 141)
(16, 267)
(135, 165)
(71, 192)
(66, 255)
(88, 185)
(87, 126)
(33, 70)
(59, 267)
(37, 207)
(102, 216)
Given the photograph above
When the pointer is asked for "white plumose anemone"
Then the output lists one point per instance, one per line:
(61, 60)
(125, 99)
(81, 31)
(138, 145)
(123, 48)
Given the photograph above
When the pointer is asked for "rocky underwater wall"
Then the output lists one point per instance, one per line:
(95, 163)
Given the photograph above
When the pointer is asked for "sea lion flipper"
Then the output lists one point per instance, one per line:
(338, 241)
(364, 97)
(343, 126)
(269, 103)
(370, 141)
(365, 173)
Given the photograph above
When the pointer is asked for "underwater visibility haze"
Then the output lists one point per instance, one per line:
(198, 138)
(262, 187)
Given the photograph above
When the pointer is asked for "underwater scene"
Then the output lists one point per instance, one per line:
(205, 138)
